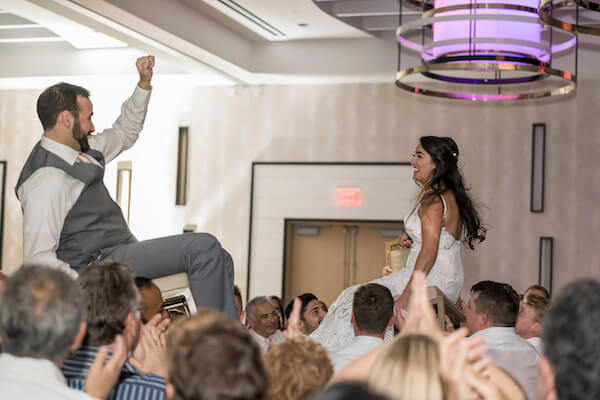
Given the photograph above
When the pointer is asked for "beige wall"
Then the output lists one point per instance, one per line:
(231, 127)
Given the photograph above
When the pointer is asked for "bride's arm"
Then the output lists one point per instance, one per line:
(430, 213)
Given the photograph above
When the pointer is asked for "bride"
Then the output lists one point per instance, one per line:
(443, 216)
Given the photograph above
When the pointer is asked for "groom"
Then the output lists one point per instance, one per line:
(69, 218)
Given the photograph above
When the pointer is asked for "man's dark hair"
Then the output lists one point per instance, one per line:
(498, 300)
(372, 306)
(56, 99)
(143, 282)
(540, 288)
(571, 335)
(111, 294)
(210, 356)
(41, 310)
(237, 293)
(305, 299)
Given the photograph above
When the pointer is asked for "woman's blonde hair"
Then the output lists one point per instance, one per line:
(408, 368)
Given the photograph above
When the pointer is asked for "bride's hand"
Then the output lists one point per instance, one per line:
(405, 240)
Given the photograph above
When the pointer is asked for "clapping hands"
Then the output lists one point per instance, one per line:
(149, 354)
(104, 374)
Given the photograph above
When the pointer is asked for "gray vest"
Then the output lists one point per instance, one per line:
(95, 222)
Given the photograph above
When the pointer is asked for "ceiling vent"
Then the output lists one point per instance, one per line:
(252, 18)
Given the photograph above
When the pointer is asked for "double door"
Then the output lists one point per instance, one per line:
(324, 257)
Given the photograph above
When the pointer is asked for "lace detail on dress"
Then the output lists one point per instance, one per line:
(335, 331)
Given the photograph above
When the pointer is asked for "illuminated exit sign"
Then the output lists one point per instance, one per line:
(348, 197)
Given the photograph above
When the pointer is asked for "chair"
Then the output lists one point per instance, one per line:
(443, 306)
(176, 293)
(395, 256)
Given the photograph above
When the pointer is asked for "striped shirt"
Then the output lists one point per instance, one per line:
(131, 385)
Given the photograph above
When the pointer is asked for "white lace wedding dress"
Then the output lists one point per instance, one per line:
(335, 331)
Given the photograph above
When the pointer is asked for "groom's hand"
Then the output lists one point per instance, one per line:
(144, 66)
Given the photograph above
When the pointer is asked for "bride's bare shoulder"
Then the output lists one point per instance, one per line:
(430, 200)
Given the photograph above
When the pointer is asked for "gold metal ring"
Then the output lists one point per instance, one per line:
(420, 23)
(491, 6)
(547, 18)
(514, 53)
(568, 87)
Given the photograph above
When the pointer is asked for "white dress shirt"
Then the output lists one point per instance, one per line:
(512, 353)
(49, 193)
(536, 342)
(24, 378)
(264, 342)
(359, 346)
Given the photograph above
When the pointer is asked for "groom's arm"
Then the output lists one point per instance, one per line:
(124, 132)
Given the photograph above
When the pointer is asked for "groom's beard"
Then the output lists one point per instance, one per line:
(80, 136)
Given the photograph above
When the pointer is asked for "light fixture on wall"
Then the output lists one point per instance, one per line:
(538, 166)
(124, 187)
(485, 51)
(567, 14)
(182, 167)
(546, 262)
(2, 193)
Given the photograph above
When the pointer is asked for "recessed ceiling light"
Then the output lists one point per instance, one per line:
(303, 24)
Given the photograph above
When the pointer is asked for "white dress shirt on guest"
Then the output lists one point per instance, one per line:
(353, 350)
(32, 378)
(512, 353)
(264, 342)
(537, 343)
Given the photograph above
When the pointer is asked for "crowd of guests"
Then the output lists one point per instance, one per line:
(106, 335)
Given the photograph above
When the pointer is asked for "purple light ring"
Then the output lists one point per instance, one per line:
(521, 56)
(474, 81)
(547, 18)
(420, 23)
(496, 59)
(485, 6)
(570, 85)
(525, 43)
(485, 66)
(485, 81)
(555, 49)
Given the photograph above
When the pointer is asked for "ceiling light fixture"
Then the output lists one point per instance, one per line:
(565, 14)
(485, 51)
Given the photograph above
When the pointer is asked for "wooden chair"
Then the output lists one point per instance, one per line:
(443, 306)
(176, 293)
(395, 256)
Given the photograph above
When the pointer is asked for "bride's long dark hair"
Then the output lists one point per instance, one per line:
(446, 176)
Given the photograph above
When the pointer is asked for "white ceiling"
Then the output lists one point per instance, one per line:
(214, 41)
(278, 20)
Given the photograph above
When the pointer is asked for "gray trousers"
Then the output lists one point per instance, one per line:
(200, 255)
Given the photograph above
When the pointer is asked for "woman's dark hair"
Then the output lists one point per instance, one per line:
(446, 176)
